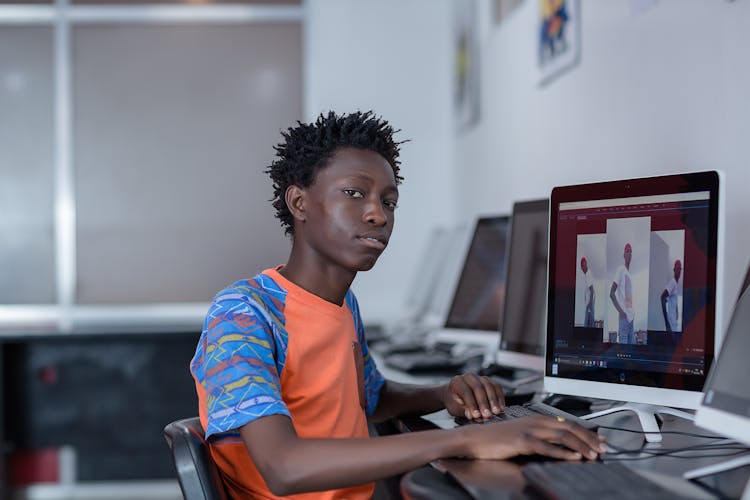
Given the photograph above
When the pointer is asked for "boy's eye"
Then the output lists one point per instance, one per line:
(353, 193)
(392, 204)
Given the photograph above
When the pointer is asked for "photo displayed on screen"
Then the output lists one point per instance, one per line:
(638, 274)
(635, 274)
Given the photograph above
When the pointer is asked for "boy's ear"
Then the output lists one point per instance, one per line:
(295, 200)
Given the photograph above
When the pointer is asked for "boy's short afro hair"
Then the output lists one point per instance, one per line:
(308, 147)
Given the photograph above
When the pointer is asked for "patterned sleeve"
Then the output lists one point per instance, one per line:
(374, 380)
(238, 369)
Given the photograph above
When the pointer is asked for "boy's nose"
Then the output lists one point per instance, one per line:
(375, 214)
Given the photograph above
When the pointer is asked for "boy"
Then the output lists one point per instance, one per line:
(284, 378)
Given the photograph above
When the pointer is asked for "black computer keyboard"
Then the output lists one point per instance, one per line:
(509, 413)
(577, 480)
(529, 409)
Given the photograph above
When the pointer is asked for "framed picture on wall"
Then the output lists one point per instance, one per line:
(559, 37)
(465, 64)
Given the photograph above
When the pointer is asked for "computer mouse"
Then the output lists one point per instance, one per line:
(571, 404)
(518, 398)
(498, 370)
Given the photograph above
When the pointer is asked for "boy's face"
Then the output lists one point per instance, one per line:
(349, 209)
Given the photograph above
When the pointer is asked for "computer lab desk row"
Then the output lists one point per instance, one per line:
(503, 478)
(82, 413)
(660, 462)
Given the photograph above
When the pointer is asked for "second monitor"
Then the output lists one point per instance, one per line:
(479, 294)
(523, 319)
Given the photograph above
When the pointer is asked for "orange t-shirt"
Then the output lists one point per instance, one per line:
(270, 347)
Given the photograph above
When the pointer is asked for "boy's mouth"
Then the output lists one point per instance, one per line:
(374, 241)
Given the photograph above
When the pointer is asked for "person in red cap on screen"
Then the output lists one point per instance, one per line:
(589, 297)
(621, 294)
(669, 300)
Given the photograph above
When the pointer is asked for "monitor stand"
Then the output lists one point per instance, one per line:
(726, 465)
(646, 416)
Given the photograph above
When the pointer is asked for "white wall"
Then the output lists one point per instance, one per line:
(660, 91)
(391, 56)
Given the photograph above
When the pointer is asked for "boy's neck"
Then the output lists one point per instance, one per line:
(328, 284)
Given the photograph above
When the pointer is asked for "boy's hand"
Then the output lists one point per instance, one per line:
(474, 397)
(539, 434)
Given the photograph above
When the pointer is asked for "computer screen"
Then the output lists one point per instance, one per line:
(745, 283)
(633, 289)
(427, 298)
(442, 287)
(523, 319)
(480, 290)
(427, 274)
(726, 405)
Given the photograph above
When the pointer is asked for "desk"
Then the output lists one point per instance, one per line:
(403, 377)
(105, 396)
(498, 479)
(530, 384)
(503, 479)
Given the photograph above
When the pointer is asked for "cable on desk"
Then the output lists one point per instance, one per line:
(698, 447)
(676, 452)
(682, 433)
(706, 455)
(705, 446)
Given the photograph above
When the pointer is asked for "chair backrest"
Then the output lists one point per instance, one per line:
(196, 471)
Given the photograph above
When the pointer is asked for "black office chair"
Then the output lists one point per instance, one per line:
(196, 471)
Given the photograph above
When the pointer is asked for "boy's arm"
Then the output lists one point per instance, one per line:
(467, 395)
(290, 464)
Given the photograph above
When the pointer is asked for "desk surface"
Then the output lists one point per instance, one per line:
(528, 384)
(493, 479)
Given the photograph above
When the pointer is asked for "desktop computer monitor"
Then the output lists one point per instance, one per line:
(431, 293)
(726, 403)
(523, 319)
(474, 313)
(633, 291)
(427, 274)
(405, 325)
(440, 293)
(725, 408)
(745, 283)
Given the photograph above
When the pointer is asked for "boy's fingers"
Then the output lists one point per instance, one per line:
(495, 395)
(481, 394)
(463, 387)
